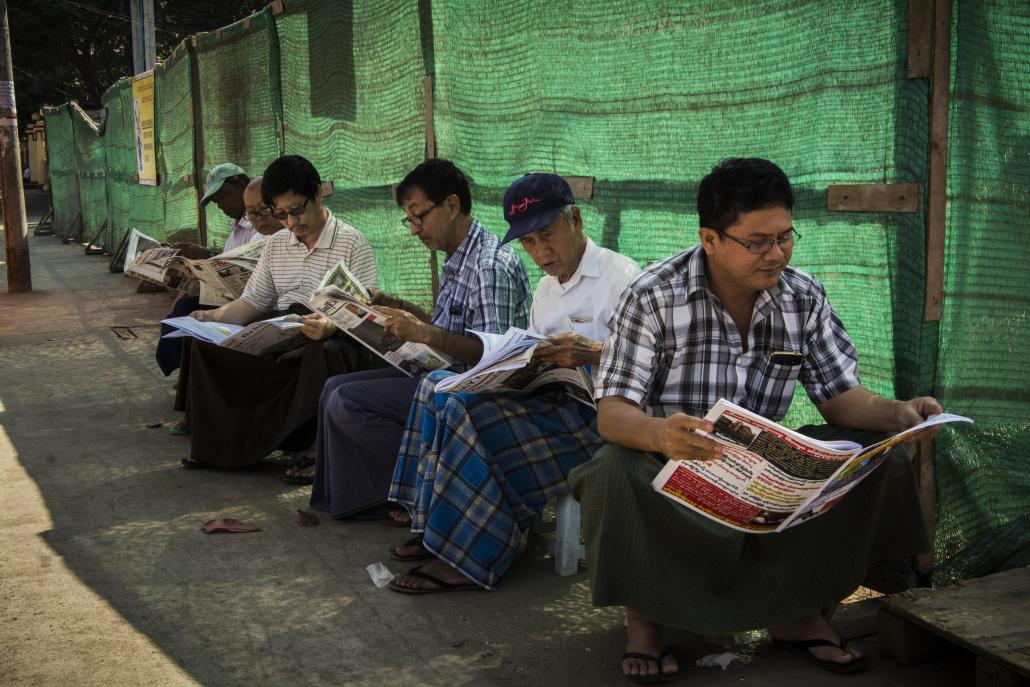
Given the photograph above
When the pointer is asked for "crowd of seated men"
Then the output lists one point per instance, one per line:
(466, 473)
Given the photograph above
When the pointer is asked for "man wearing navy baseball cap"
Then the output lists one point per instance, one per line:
(497, 458)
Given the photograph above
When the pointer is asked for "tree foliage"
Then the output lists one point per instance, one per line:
(75, 49)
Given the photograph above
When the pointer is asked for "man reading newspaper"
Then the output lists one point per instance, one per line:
(731, 319)
(475, 468)
(240, 199)
(240, 407)
(483, 287)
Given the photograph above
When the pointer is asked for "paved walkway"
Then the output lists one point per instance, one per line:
(106, 580)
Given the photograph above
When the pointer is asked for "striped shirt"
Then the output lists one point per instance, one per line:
(484, 286)
(289, 273)
(675, 348)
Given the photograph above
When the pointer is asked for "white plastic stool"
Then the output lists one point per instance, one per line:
(564, 545)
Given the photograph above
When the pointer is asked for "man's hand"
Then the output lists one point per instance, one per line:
(317, 326)
(909, 413)
(205, 315)
(569, 350)
(192, 251)
(385, 299)
(678, 439)
(405, 326)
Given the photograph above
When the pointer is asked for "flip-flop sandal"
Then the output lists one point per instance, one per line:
(659, 677)
(300, 464)
(440, 587)
(404, 558)
(802, 647)
(394, 522)
(178, 429)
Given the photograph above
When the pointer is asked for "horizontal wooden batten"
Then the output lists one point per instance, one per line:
(873, 197)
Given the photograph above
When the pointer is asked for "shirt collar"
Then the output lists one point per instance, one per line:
(455, 263)
(697, 283)
(325, 239)
(589, 266)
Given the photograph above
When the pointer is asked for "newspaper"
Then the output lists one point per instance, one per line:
(769, 477)
(341, 277)
(149, 265)
(365, 324)
(507, 366)
(221, 278)
(267, 337)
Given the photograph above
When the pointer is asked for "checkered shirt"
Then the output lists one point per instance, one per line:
(674, 347)
(484, 286)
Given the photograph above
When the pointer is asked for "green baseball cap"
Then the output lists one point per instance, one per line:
(217, 176)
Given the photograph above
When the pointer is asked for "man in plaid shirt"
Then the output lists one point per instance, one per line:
(730, 319)
(484, 287)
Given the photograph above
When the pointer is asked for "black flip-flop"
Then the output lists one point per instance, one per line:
(855, 665)
(300, 464)
(405, 558)
(659, 677)
(440, 587)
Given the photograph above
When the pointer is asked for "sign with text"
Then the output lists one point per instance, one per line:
(143, 126)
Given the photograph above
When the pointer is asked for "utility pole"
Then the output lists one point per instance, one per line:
(16, 230)
(144, 49)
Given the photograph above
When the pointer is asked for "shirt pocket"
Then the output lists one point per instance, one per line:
(770, 386)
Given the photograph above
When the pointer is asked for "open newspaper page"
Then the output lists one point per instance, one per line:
(149, 265)
(365, 324)
(267, 337)
(507, 366)
(136, 243)
(769, 477)
(341, 277)
(221, 278)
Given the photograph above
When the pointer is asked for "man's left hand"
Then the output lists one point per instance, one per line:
(569, 350)
(317, 326)
(192, 251)
(405, 326)
(910, 413)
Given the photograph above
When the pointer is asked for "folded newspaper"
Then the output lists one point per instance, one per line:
(221, 278)
(507, 366)
(769, 477)
(344, 301)
(277, 335)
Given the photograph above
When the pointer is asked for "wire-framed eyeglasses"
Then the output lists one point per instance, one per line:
(419, 218)
(255, 215)
(763, 246)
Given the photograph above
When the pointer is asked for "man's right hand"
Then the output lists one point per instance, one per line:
(204, 315)
(678, 439)
(192, 251)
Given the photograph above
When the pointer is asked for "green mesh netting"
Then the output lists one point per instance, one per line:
(644, 96)
(983, 479)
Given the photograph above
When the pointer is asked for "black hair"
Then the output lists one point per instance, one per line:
(438, 179)
(289, 173)
(739, 185)
(241, 179)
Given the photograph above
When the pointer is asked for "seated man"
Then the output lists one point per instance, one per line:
(484, 287)
(240, 407)
(474, 469)
(697, 327)
(256, 221)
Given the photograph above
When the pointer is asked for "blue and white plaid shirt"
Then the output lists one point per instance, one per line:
(484, 286)
(675, 348)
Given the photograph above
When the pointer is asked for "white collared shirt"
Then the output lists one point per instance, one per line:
(289, 272)
(241, 232)
(587, 299)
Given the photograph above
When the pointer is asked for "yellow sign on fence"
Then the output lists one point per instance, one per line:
(143, 121)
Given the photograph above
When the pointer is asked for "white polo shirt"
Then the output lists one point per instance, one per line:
(588, 299)
(289, 273)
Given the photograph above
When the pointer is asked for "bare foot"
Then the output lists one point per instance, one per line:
(814, 626)
(410, 550)
(646, 637)
(303, 468)
(437, 569)
(399, 517)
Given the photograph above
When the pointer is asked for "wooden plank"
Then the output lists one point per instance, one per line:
(873, 197)
(920, 38)
(277, 8)
(990, 674)
(582, 187)
(937, 183)
(927, 474)
(427, 92)
(989, 616)
(327, 188)
(197, 126)
(906, 642)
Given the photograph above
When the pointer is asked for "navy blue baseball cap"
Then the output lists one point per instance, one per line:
(533, 202)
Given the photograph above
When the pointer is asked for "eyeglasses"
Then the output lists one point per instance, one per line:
(255, 215)
(420, 217)
(765, 245)
(292, 212)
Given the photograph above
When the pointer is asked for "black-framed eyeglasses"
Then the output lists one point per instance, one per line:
(765, 245)
(420, 217)
(255, 215)
(292, 212)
